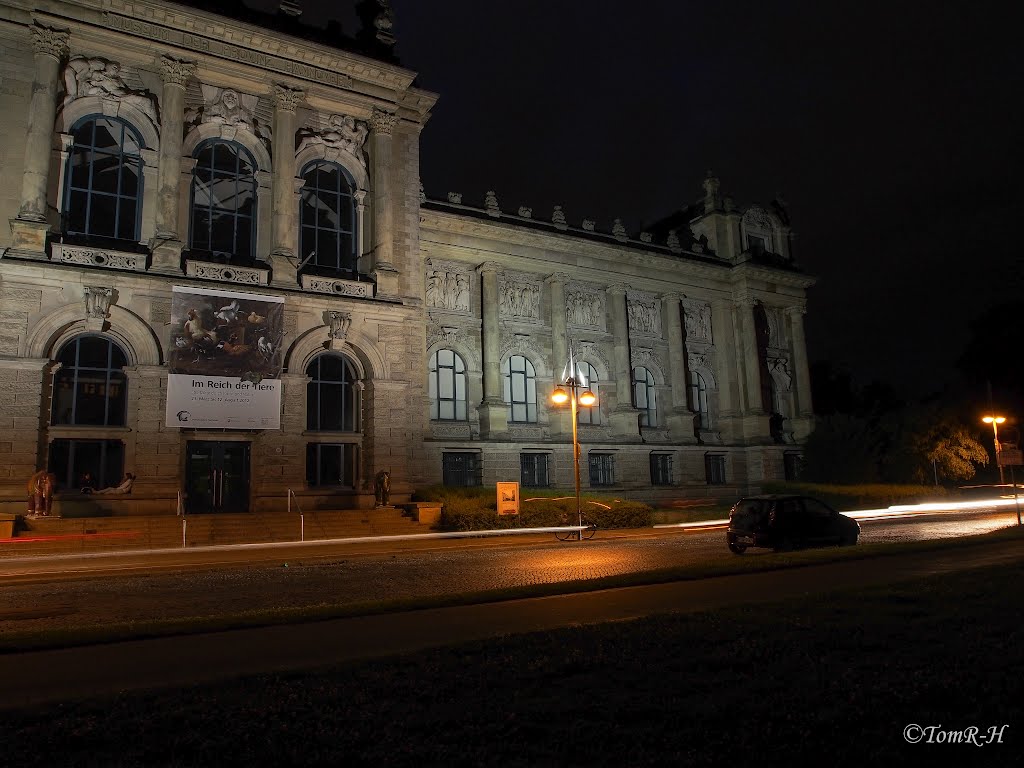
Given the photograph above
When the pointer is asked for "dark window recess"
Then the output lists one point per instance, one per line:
(602, 469)
(331, 464)
(792, 463)
(533, 470)
(661, 469)
(714, 468)
(332, 398)
(90, 388)
(327, 216)
(223, 203)
(70, 460)
(462, 468)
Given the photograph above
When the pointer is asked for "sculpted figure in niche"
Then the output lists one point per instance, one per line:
(40, 492)
(99, 77)
(382, 488)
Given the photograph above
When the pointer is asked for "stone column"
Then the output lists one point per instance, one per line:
(803, 421)
(560, 419)
(167, 243)
(680, 417)
(624, 422)
(382, 257)
(755, 419)
(285, 211)
(30, 227)
(493, 409)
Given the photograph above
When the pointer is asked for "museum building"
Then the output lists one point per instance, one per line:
(222, 275)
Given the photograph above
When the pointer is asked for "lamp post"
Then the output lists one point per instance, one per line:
(995, 421)
(573, 387)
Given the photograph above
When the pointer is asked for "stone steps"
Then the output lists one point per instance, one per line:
(52, 535)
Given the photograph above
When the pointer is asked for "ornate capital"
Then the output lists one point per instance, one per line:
(175, 72)
(489, 267)
(286, 98)
(671, 296)
(558, 277)
(618, 289)
(52, 42)
(382, 123)
(796, 311)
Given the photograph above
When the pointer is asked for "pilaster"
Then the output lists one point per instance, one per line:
(285, 211)
(493, 409)
(382, 257)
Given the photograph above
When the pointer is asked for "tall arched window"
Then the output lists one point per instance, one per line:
(520, 389)
(224, 202)
(332, 397)
(103, 192)
(327, 211)
(645, 397)
(699, 400)
(589, 414)
(447, 386)
(89, 388)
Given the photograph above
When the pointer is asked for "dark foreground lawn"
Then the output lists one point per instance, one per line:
(812, 682)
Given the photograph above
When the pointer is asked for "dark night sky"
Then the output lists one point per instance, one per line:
(893, 132)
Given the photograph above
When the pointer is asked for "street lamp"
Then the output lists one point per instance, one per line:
(995, 421)
(574, 388)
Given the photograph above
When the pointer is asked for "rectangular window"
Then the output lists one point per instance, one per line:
(331, 464)
(602, 469)
(533, 470)
(714, 468)
(791, 463)
(661, 469)
(461, 468)
(70, 460)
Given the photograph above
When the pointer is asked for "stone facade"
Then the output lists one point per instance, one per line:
(502, 296)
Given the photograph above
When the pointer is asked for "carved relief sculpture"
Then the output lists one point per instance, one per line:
(519, 299)
(97, 302)
(100, 77)
(343, 132)
(584, 308)
(447, 290)
(644, 317)
(231, 109)
(339, 323)
(697, 321)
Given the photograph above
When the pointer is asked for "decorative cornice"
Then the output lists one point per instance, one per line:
(337, 287)
(175, 72)
(52, 42)
(93, 257)
(226, 273)
(382, 123)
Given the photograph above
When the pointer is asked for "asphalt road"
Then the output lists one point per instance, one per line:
(90, 671)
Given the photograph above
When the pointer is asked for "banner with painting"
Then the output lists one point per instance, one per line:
(225, 360)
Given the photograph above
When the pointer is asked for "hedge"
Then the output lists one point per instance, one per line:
(851, 497)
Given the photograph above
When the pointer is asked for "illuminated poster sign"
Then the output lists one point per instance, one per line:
(508, 498)
(225, 360)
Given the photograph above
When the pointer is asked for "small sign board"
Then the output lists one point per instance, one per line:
(1010, 457)
(508, 498)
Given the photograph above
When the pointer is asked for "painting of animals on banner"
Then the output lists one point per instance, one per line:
(225, 359)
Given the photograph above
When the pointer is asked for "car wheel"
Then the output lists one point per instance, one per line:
(737, 549)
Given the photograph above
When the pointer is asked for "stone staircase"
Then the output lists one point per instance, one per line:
(54, 535)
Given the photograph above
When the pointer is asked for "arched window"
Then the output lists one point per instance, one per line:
(447, 386)
(520, 389)
(103, 192)
(699, 400)
(327, 211)
(89, 388)
(332, 397)
(644, 397)
(224, 202)
(589, 414)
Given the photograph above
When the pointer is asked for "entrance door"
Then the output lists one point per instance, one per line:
(217, 476)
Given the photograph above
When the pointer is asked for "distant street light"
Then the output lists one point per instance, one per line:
(574, 380)
(995, 421)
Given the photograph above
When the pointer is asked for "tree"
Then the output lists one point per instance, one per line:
(925, 441)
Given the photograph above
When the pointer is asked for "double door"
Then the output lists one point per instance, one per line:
(217, 476)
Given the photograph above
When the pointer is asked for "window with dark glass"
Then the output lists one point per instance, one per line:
(327, 213)
(462, 468)
(645, 397)
(661, 469)
(602, 468)
(447, 386)
(589, 414)
(699, 400)
(332, 397)
(714, 468)
(533, 470)
(223, 202)
(520, 389)
(90, 388)
(103, 191)
(70, 460)
(331, 464)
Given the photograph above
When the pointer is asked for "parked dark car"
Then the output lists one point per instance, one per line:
(787, 522)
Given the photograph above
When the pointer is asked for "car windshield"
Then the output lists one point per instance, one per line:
(749, 513)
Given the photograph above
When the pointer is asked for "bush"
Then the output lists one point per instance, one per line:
(872, 496)
(475, 509)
